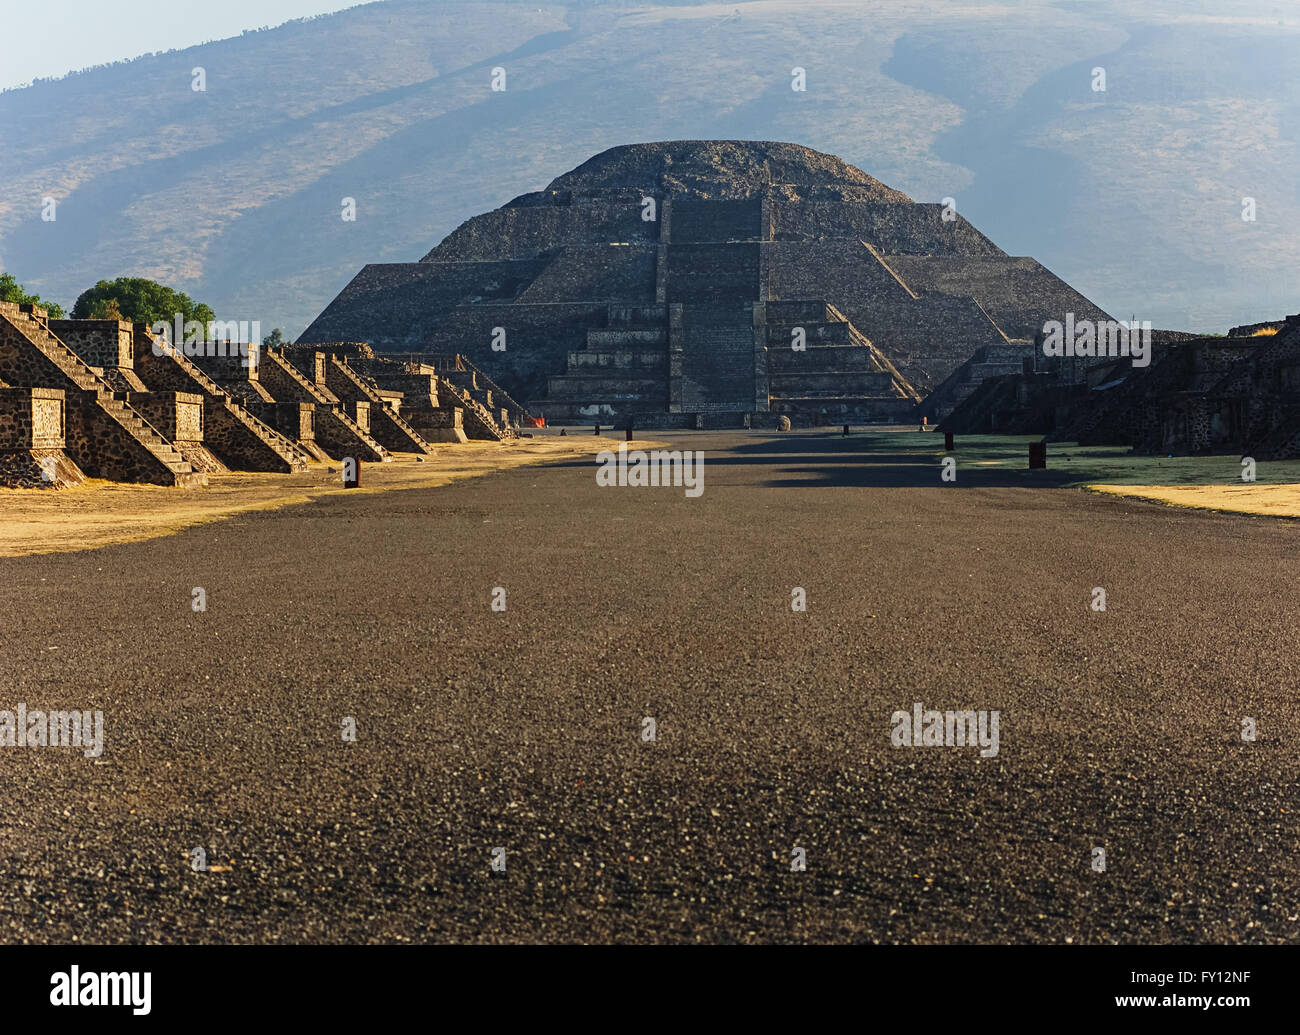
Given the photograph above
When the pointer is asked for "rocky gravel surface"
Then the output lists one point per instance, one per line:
(480, 729)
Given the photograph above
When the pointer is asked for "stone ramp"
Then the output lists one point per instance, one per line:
(38, 469)
(235, 436)
(718, 359)
(388, 428)
(341, 436)
(106, 437)
(478, 421)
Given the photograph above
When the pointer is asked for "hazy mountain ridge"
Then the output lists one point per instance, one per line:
(233, 195)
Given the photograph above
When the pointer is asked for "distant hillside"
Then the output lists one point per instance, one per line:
(234, 194)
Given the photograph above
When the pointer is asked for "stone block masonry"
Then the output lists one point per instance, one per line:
(384, 424)
(341, 436)
(32, 440)
(280, 383)
(101, 343)
(31, 418)
(740, 223)
(106, 438)
(234, 435)
(296, 422)
(178, 416)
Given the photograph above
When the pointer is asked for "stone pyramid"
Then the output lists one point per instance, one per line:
(682, 278)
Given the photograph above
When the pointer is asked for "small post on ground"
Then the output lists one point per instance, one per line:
(846, 431)
(947, 442)
(597, 429)
(351, 472)
(1037, 455)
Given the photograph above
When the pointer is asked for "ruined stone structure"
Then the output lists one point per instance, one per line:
(991, 361)
(446, 398)
(145, 371)
(109, 399)
(1238, 394)
(105, 437)
(674, 282)
(32, 439)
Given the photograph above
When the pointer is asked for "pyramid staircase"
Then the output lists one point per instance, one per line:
(106, 437)
(337, 433)
(718, 358)
(500, 395)
(388, 428)
(240, 440)
(479, 422)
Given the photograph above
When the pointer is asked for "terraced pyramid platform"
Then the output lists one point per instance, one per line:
(674, 278)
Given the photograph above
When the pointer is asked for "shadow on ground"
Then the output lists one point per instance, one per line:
(828, 459)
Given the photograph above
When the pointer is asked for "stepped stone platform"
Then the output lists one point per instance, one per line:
(447, 398)
(105, 436)
(1234, 395)
(109, 399)
(178, 416)
(606, 313)
(989, 362)
(32, 440)
(297, 403)
(131, 355)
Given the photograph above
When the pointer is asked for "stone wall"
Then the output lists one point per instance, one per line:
(38, 469)
(339, 436)
(104, 448)
(520, 232)
(224, 361)
(613, 272)
(444, 424)
(296, 421)
(246, 445)
(100, 343)
(31, 418)
(917, 229)
(178, 417)
(538, 338)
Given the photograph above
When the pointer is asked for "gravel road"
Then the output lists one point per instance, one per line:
(523, 729)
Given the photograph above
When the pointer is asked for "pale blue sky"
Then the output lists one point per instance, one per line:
(65, 35)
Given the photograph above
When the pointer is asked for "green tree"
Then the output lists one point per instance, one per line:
(142, 301)
(275, 339)
(105, 309)
(12, 291)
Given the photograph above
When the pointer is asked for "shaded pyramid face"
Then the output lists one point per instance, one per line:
(709, 276)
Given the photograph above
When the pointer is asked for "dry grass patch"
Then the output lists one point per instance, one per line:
(101, 513)
(1266, 500)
